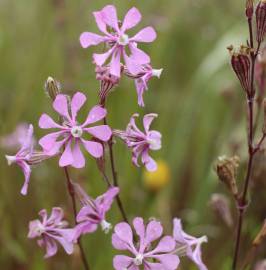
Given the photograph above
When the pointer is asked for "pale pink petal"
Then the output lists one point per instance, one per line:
(104, 202)
(100, 58)
(115, 67)
(56, 216)
(169, 261)
(118, 243)
(147, 120)
(131, 19)
(96, 114)
(67, 156)
(27, 172)
(154, 266)
(124, 232)
(121, 262)
(48, 141)
(138, 55)
(78, 158)
(147, 34)
(88, 39)
(85, 213)
(166, 244)
(133, 66)
(77, 102)
(154, 231)
(51, 247)
(100, 23)
(28, 141)
(46, 121)
(67, 245)
(102, 132)
(84, 228)
(140, 88)
(109, 16)
(139, 226)
(60, 105)
(149, 162)
(94, 148)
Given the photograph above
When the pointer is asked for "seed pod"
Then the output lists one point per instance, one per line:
(240, 62)
(261, 20)
(226, 169)
(52, 88)
(249, 9)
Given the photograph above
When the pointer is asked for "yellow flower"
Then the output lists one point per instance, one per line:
(155, 181)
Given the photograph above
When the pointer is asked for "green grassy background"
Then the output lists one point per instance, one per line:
(199, 102)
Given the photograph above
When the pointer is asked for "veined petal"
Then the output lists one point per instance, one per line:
(139, 227)
(56, 215)
(60, 105)
(115, 68)
(67, 245)
(78, 158)
(99, 21)
(67, 156)
(88, 39)
(104, 202)
(102, 132)
(27, 172)
(28, 141)
(51, 247)
(118, 243)
(109, 16)
(94, 148)
(154, 231)
(166, 244)
(121, 262)
(138, 55)
(131, 19)
(149, 162)
(100, 58)
(48, 141)
(124, 232)
(147, 34)
(96, 114)
(147, 120)
(77, 102)
(46, 121)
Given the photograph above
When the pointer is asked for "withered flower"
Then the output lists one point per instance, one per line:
(261, 20)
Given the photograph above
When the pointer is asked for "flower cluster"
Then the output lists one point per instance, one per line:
(149, 248)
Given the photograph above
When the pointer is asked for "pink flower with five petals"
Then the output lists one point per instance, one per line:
(144, 254)
(52, 230)
(70, 134)
(119, 40)
(141, 141)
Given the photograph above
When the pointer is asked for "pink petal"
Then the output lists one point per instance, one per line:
(121, 262)
(84, 213)
(147, 120)
(109, 16)
(51, 247)
(78, 158)
(100, 23)
(94, 148)
(147, 34)
(102, 133)
(104, 202)
(169, 261)
(67, 245)
(28, 141)
(166, 244)
(46, 121)
(131, 19)
(140, 88)
(88, 39)
(77, 102)
(149, 162)
(56, 215)
(60, 105)
(100, 58)
(84, 228)
(96, 114)
(67, 156)
(48, 141)
(27, 172)
(118, 243)
(139, 227)
(124, 232)
(133, 66)
(115, 68)
(154, 231)
(138, 55)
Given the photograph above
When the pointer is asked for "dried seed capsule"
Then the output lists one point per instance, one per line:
(52, 88)
(261, 20)
(249, 9)
(240, 62)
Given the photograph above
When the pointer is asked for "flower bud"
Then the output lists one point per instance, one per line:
(220, 205)
(240, 62)
(52, 88)
(260, 236)
(226, 169)
(261, 20)
(249, 9)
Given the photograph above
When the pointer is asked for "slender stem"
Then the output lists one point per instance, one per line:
(72, 195)
(250, 104)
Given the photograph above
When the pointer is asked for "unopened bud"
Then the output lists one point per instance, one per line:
(260, 236)
(240, 62)
(52, 88)
(220, 205)
(261, 20)
(226, 169)
(249, 9)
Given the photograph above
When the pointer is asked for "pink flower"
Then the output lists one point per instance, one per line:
(141, 142)
(52, 230)
(26, 157)
(189, 244)
(93, 212)
(71, 133)
(144, 254)
(142, 82)
(119, 40)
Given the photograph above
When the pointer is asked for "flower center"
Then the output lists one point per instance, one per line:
(106, 226)
(76, 131)
(39, 230)
(138, 259)
(123, 40)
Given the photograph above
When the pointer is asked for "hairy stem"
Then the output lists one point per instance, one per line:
(72, 195)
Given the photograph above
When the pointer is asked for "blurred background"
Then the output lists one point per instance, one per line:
(201, 116)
